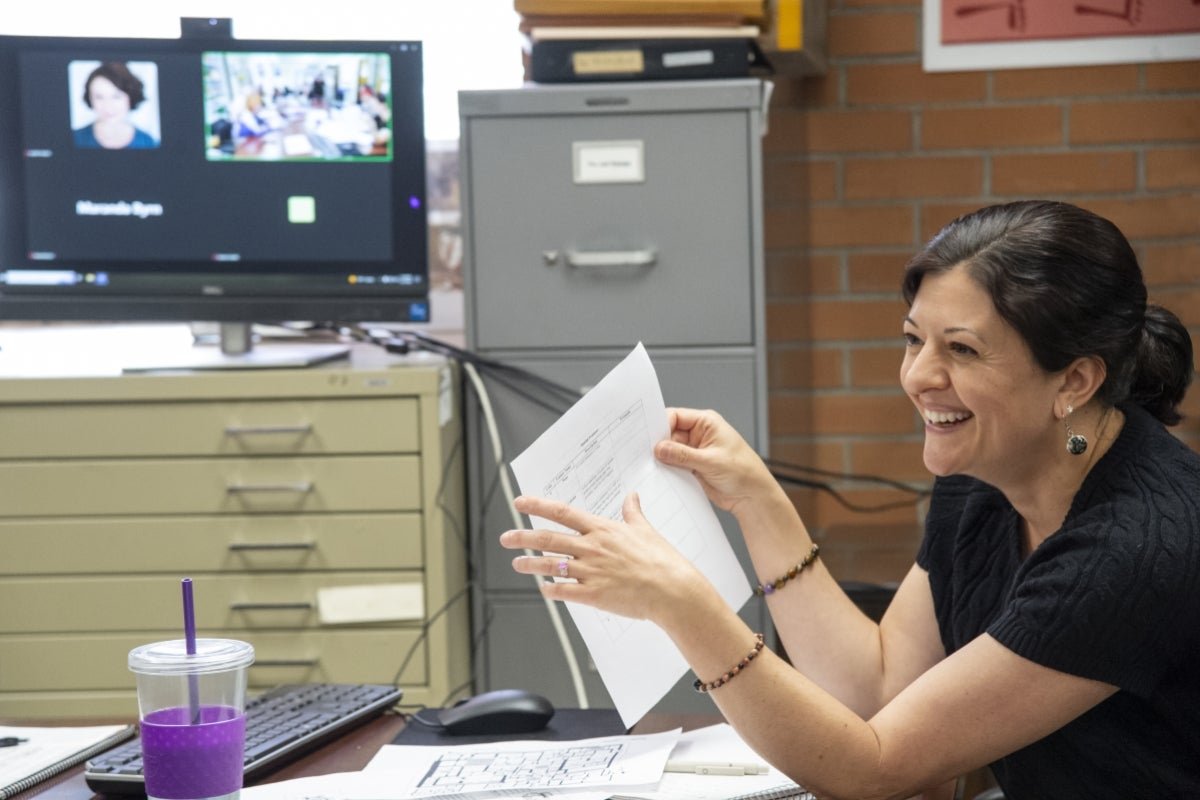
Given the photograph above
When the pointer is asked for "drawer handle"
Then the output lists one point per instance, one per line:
(254, 430)
(238, 546)
(285, 662)
(609, 259)
(245, 488)
(299, 606)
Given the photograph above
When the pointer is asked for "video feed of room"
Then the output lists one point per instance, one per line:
(297, 106)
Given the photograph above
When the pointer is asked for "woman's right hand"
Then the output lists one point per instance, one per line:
(727, 466)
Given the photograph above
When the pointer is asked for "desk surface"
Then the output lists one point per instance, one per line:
(348, 753)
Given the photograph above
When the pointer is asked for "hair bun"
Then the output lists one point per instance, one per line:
(1165, 365)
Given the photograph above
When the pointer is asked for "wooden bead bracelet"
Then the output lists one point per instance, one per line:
(705, 688)
(769, 588)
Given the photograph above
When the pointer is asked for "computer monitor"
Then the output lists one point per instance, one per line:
(214, 179)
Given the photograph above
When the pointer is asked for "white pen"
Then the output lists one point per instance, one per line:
(716, 768)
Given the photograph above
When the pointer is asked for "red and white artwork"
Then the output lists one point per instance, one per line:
(964, 21)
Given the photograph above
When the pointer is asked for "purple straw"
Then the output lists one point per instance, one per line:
(189, 617)
(189, 634)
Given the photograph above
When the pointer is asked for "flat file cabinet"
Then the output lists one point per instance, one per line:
(596, 216)
(270, 489)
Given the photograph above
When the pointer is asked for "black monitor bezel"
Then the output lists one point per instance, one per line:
(193, 289)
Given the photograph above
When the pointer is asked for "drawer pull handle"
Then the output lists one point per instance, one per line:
(300, 606)
(237, 546)
(610, 259)
(254, 430)
(285, 662)
(245, 488)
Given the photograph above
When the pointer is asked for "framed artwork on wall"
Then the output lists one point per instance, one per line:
(1010, 34)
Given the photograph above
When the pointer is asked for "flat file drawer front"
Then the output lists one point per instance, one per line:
(689, 219)
(210, 486)
(382, 425)
(184, 545)
(69, 705)
(98, 662)
(152, 602)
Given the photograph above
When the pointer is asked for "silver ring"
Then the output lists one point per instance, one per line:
(563, 567)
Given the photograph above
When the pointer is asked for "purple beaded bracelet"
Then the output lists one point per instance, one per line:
(769, 588)
(704, 688)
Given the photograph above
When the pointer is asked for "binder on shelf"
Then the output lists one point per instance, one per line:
(575, 60)
(750, 9)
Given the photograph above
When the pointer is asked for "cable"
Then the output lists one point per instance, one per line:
(775, 464)
(506, 486)
(825, 487)
(425, 630)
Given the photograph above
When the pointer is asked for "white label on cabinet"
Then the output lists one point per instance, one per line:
(609, 162)
(688, 58)
(341, 605)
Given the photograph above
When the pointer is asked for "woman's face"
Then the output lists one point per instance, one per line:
(988, 407)
(109, 102)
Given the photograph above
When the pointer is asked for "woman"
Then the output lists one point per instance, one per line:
(1048, 627)
(112, 92)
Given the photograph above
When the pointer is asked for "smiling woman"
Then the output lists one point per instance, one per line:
(1047, 627)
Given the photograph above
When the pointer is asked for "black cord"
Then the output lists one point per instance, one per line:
(425, 630)
(774, 465)
(825, 487)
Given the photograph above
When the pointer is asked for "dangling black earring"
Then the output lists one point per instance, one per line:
(1076, 443)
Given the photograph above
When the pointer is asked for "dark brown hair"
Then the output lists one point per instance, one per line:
(1068, 281)
(121, 77)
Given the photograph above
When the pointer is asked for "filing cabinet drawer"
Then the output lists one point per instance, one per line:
(209, 429)
(94, 662)
(623, 245)
(191, 544)
(210, 486)
(232, 602)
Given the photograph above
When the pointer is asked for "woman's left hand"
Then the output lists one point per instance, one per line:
(622, 566)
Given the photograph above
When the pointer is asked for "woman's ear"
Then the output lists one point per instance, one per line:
(1081, 380)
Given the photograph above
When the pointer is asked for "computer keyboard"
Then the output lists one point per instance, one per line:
(281, 725)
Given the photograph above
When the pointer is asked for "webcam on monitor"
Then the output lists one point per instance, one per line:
(206, 27)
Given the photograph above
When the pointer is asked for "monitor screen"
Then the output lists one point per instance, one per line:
(212, 179)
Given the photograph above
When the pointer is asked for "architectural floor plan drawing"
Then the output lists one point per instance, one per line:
(457, 772)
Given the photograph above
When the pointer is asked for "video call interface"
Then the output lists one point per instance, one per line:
(221, 155)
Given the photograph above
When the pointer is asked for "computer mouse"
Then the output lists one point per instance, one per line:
(501, 711)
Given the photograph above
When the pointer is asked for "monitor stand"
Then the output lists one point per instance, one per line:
(236, 349)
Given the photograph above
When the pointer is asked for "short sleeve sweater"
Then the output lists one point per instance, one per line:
(1113, 595)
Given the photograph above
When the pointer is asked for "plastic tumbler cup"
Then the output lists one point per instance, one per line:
(192, 708)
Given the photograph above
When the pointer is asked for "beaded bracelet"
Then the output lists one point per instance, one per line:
(704, 688)
(769, 588)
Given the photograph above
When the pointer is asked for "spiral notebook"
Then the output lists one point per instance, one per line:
(38, 754)
(719, 743)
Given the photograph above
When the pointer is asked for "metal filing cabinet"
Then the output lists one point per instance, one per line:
(597, 216)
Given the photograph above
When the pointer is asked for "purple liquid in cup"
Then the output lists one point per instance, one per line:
(184, 761)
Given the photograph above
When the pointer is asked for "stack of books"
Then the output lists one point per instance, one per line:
(605, 40)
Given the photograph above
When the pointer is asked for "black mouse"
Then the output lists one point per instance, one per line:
(501, 711)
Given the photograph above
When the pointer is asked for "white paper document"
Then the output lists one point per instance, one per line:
(587, 769)
(717, 745)
(592, 457)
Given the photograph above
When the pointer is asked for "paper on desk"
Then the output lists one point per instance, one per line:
(592, 457)
(588, 769)
(605, 763)
(714, 744)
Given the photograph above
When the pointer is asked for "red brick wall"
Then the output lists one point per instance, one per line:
(866, 162)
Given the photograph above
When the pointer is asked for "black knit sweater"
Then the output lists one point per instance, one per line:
(1113, 595)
